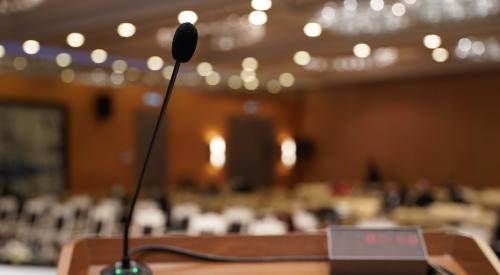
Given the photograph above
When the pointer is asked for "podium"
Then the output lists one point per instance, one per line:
(462, 255)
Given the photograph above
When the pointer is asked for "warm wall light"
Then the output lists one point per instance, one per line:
(288, 152)
(217, 151)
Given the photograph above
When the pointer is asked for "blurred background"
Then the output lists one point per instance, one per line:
(292, 115)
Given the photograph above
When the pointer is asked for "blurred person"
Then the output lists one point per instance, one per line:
(373, 176)
(212, 190)
(188, 184)
(394, 195)
(455, 193)
(424, 193)
(326, 216)
(496, 237)
(342, 188)
(239, 185)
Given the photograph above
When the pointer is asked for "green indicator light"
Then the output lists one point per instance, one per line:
(118, 271)
(135, 270)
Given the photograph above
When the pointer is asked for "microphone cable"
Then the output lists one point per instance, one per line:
(216, 258)
(432, 269)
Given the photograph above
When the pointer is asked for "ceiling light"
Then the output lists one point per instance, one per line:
(257, 18)
(377, 5)
(398, 9)
(75, 39)
(262, 5)
(250, 63)
(98, 76)
(432, 41)
(273, 86)
(313, 29)
(361, 50)
(465, 44)
(440, 55)
(119, 66)
(187, 16)
(234, 82)
(204, 69)
(478, 48)
(117, 78)
(167, 72)
(247, 75)
(98, 56)
(350, 5)
(302, 58)
(286, 79)
(132, 74)
(63, 60)
(155, 63)
(67, 75)
(251, 85)
(126, 29)
(20, 63)
(31, 46)
(213, 79)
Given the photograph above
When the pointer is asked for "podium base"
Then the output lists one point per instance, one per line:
(135, 268)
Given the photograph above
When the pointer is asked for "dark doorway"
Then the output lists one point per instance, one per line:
(156, 176)
(251, 152)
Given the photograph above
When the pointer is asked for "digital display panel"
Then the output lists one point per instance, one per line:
(361, 243)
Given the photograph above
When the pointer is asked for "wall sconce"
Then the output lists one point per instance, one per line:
(288, 152)
(217, 152)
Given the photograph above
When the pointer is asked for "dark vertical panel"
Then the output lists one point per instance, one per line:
(251, 151)
(155, 179)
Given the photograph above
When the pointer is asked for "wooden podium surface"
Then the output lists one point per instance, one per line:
(460, 254)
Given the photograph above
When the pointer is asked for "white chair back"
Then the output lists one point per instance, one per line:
(148, 219)
(268, 226)
(305, 221)
(207, 224)
(8, 216)
(239, 216)
(104, 218)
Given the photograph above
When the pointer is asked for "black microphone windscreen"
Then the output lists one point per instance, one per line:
(184, 42)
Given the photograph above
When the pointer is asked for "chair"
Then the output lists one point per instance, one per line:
(269, 225)
(104, 218)
(181, 214)
(8, 216)
(238, 218)
(207, 224)
(148, 219)
(304, 221)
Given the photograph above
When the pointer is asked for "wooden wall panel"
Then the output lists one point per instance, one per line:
(446, 127)
(101, 153)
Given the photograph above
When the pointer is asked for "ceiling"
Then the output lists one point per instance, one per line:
(50, 23)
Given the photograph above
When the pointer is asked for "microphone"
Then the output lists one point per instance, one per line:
(183, 48)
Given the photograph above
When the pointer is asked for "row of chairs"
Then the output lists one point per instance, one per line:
(35, 231)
